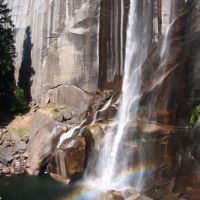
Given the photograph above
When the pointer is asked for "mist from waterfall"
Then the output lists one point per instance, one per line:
(113, 158)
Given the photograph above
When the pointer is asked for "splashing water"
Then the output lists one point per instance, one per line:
(105, 107)
(69, 134)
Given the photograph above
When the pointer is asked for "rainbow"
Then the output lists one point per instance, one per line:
(86, 192)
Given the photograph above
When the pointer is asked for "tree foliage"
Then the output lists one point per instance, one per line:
(7, 57)
(195, 115)
(19, 103)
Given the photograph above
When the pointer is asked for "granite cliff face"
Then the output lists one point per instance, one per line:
(77, 46)
(64, 52)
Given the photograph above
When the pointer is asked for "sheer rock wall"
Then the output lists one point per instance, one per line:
(77, 46)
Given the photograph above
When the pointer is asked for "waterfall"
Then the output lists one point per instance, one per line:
(69, 134)
(105, 107)
(112, 157)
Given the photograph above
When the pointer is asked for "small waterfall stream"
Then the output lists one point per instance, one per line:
(69, 133)
(102, 109)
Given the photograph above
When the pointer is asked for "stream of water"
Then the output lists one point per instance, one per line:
(112, 156)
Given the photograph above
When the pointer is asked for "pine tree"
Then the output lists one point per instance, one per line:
(7, 56)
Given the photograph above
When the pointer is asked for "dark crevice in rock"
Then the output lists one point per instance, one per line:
(59, 85)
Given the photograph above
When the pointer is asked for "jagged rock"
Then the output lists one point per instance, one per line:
(113, 195)
(6, 170)
(18, 168)
(6, 155)
(25, 139)
(25, 155)
(60, 179)
(132, 194)
(43, 145)
(20, 146)
(74, 120)
(66, 115)
(134, 197)
(76, 98)
(93, 135)
(38, 121)
(69, 159)
(17, 156)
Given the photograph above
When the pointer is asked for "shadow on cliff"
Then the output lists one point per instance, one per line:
(24, 81)
(26, 71)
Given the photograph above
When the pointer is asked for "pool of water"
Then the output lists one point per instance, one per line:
(31, 188)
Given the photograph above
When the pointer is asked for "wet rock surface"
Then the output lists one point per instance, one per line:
(112, 195)
(69, 159)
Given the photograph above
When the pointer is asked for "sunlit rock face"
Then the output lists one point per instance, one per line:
(77, 46)
(64, 35)
(43, 145)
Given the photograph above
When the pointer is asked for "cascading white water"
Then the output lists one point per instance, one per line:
(102, 109)
(137, 44)
(165, 44)
(69, 134)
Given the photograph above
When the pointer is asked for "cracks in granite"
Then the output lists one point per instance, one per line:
(79, 88)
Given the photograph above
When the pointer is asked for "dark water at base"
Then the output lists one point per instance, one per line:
(31, 188)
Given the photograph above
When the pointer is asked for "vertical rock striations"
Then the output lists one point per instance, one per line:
(64, 35)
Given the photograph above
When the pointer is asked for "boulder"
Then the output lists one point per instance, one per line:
(39, 120)
(69, 159)
(76, 98)
(60, 179)
(132, 194)
(25, 139)
(6, 170)
(6, 155)
(93, 135)
(43, 145)
(17, 168)
(112, 195)
(20, 146)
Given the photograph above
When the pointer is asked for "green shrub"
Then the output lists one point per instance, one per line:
(22, 132)
(19, 103)
(195, 115)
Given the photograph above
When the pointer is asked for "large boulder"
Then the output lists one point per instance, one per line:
(112, 195)
(6, 155)
(69, 95)
(69, 159)
(43, 145)
(39, 120)
(93, 135)
(20, 146)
